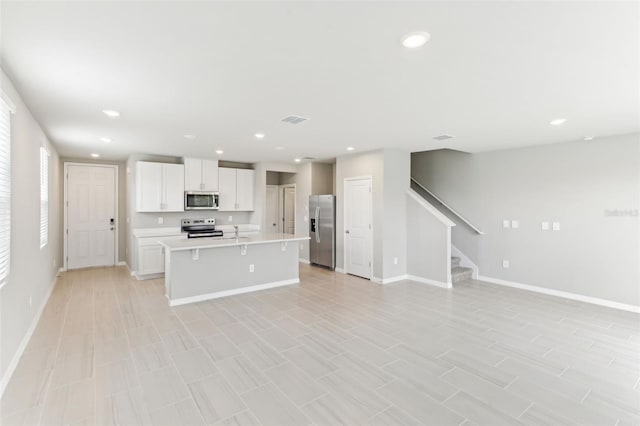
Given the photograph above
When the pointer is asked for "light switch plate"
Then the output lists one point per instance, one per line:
(505, 264)
(515, 224)
(230, 218)
(505, 223)
(556, 226)
(306, 218)
(545, 226)
(160, 220)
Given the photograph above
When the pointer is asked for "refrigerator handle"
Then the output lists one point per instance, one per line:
(317, 224)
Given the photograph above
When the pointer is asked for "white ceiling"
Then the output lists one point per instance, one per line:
(493, 74)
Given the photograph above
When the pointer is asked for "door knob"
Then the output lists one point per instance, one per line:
(346, 232)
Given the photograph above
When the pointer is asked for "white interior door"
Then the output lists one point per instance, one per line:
(357, 227)
(289, 216)
(271, 219)
(91, 216)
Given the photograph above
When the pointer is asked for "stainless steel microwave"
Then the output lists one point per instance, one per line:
(200, 200)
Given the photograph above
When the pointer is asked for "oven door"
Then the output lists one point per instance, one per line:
(195, 200)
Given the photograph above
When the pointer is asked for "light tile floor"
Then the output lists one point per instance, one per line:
(333, 350)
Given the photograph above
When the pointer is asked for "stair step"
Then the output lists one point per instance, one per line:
(460, 273)
(455, 261)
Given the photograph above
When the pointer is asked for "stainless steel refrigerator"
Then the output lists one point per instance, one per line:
(322, 230)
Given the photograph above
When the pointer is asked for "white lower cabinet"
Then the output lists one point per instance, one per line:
(151, 256)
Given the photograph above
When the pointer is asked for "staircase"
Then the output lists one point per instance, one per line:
(459, 273)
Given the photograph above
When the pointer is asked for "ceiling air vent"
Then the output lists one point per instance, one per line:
(443, 137)
(308, 158)
(294, 119)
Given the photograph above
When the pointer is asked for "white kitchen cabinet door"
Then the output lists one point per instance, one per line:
(173, 187)
(150, 259)
(244, 189)
(193, 174)
(209, 175)
(227, 189)
(148, 186)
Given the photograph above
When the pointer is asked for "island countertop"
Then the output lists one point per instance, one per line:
(229, 241)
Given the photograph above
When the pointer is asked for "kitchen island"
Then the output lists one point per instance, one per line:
(208, 268)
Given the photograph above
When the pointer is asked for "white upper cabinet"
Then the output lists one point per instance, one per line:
(159, 187)
(200, 175)
(236, 188)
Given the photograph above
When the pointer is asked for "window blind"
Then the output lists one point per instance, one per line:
(5, 191)
(44, 197)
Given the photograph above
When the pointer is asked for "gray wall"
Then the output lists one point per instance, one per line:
(322, 179)
(170, 219)
(122, 201)
(427, 243)
(33, 270)
(572, 183)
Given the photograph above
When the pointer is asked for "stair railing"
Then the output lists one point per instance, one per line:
(458, 215)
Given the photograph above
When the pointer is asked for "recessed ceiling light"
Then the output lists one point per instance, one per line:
(350, 148)
(105, 140)
(94, 155)
(259, 135)
(111, 113)
(219, 151)
(557, 121)
(189, 136)
(297, 160)
(415, 39)
(588, 138)
(279, 148)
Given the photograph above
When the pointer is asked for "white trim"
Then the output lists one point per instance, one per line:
(465, 261)
(305, 261)
(8, 101)
(344, 221)
(563, 294)
(430, 208)
(61, 270)
(147, 276)
(121, 263)
(25, 340)
(116, 254)
(429, 281)
(225, 293)
(340, 271)
(390, 280)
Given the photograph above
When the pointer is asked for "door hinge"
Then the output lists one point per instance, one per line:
(369, 189)
(369, 264)
(369, 226)
(67, 232)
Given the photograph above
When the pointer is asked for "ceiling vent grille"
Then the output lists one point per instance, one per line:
(294, 119)
(443, 137)
(308, 158)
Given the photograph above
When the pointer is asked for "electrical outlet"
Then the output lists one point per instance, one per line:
(515, 224)
(160, 220)
(545, 226)
(230, 218)
(30, 301)
(505, 223)
(395, 260)
(306, 218)
(54, 263)
(251, 268)
(127, 220)
(505, 264)
(556, 226)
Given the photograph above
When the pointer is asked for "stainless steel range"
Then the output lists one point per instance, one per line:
(200, 228)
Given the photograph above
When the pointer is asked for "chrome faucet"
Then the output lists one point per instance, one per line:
(237, 230)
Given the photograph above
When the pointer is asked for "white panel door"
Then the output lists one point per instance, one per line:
(227, 189)
(173, 187)
(244, 192)
(90, 216)
(357, 226)
(193, 174)
(289, 217)
(271, 215)
(209, 175)
(148, 187)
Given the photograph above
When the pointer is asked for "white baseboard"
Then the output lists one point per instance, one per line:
(563, 294)
(61, 270)
(225, 293)
(25, 340)
(440, 284)
(121, 263)
(340, 270)
(147, 277)
(305, 261)
(389, 280)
